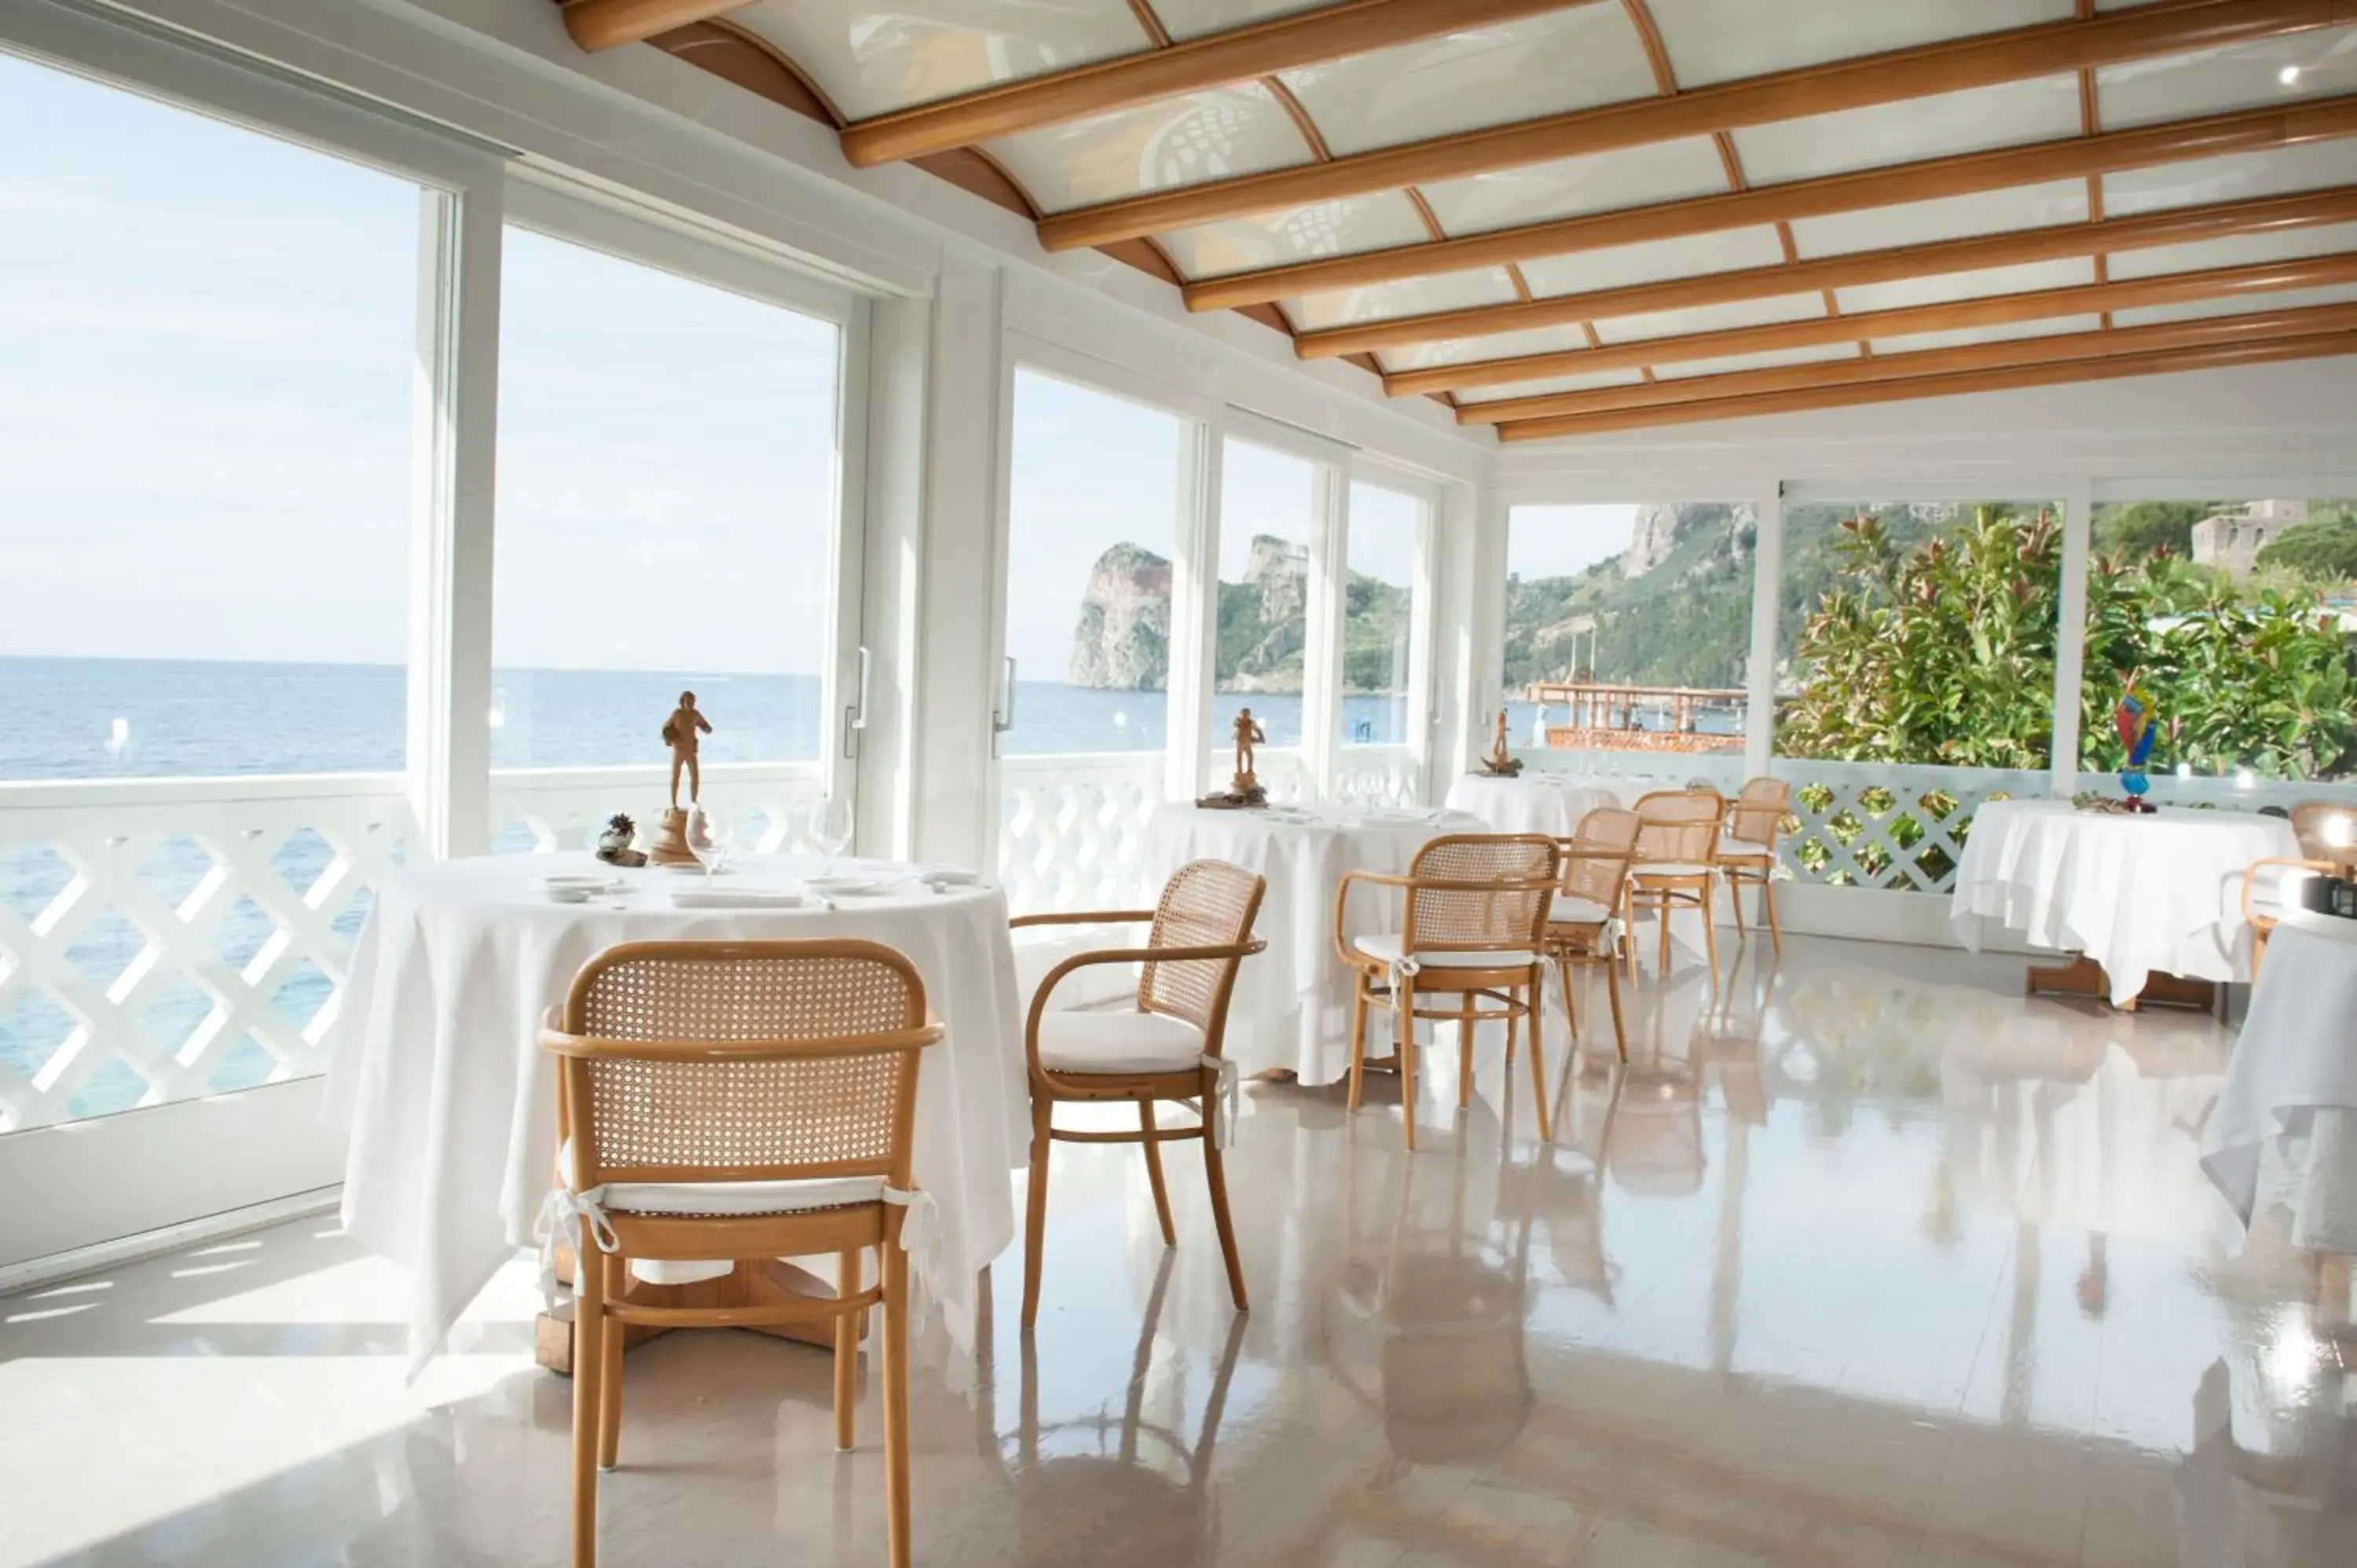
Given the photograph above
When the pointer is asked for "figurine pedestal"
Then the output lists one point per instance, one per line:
(670, 847)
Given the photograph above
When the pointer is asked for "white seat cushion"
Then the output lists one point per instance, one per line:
(731, 1197)
(1741, 849)
(1385, 949)
(1668, 868)
(1118, 1042)
(1569, 911)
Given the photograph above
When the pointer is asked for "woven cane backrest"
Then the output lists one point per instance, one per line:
(1598, 861)
(1678, 827)
(1510, 914)
(751, 1063)
(1207, 904)
(2326, 829)
(1759, 811)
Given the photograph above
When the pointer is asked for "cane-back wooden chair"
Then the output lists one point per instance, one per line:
(2327, 830)
(1584, 927)
(1676, 864)
(1168, 1047)
(1473, 934)
(2270, 886)
(747, 1101)
(1746, 850)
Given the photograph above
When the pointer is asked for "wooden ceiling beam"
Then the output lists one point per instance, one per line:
(2266, 215)
(1990, 310)
(1930, 361)
(2212, 357)
(611, 24)
(2052, 49)
(1191, 64)
(2037, 163)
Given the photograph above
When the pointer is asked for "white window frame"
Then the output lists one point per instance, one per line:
(1423, 585)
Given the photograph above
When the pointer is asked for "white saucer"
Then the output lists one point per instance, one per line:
(843, 886)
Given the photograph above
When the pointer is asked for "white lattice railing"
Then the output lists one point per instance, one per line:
(766, 805)
(1072, 828)
(161, 939)
(1871, 824)
(1640, 769)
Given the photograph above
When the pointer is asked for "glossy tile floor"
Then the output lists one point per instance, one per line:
(1876, 1263)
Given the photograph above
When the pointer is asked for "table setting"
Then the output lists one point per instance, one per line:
(436, 1074)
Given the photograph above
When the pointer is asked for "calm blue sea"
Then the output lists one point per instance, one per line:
(108, 718)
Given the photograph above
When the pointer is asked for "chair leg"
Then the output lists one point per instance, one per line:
(1512, 1035)
(1465, 1052)
(1215, 1172)
(1570, 1010)
(1404, 1027)
(1154, 1173)
(1035, 1213)
(1358, 1041)
(1538, 1060)
(1735, 897)
(896, 1405)
(1768, 903)
(846, 1354)
(1710, 936)
(1612, 990)
(610, 1371)
(588, 1364)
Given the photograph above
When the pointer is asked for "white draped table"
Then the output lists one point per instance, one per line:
(436, 1070)
(1292, 1003)
(1546, 803)
(2287, 1117)
(2142, 895)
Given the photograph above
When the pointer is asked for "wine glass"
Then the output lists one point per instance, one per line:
(707, 837)
(831, 826)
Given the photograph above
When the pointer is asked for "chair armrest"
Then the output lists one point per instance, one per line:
(1079, 918)
(2279, 864)
(1055, 977)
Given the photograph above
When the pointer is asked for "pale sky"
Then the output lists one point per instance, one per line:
(1560, 541)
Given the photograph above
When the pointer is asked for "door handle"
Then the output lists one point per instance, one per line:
(854, 716)
(1002, 719)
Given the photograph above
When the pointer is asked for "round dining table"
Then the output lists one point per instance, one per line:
(436, 1075)
(1549, 803)
(1291, 1006)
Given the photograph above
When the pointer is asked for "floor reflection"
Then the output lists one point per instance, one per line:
(1862, 1257)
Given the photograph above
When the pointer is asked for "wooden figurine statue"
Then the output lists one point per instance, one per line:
(1501, 763)
(1244, 788)
(678, 733)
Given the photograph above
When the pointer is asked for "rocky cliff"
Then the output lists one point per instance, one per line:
(1123, 640)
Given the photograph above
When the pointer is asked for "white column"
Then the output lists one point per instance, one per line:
(1321, 657)
(892, 585)
(454, 452)
(2070, 635)
(1476, 628)
(1421, 662)
(1194, 614)
(1760, 671)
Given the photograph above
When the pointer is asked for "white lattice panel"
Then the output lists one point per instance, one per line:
(1875, 825)
(1072, 828)
(540, 811)
(164, 940)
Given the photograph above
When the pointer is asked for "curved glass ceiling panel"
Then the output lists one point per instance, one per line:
(1964, 336)
(1409, 296)
(2306, 167)
(1772, 360)
(1278, 239)
(1153, 146)
(1589, 382)
(871, 57)
(1719, 41)
(1718, 318)
(1484, 76)
(1937, 288)
(2236, 251)
(1192, 19)
(2237, 305)
(2044, 109)
(1944, 218)
(1655, 261)
(1636, 177)
(1498, 345)
(2177, 87)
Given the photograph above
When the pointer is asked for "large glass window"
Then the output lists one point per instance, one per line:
(2235, 617)
(668, 464)
(1379, 615)
(1268, 510)
(207, 364)
(1628, 628)
(1092, 524)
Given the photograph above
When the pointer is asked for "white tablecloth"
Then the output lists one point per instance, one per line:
(435, 1071)
(1534, 803)
(2139, 894)
(1292, 1003)
(2289, 1107)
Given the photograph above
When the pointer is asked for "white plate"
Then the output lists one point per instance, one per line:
(842, 886)
(583, 884)
(951, 876)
